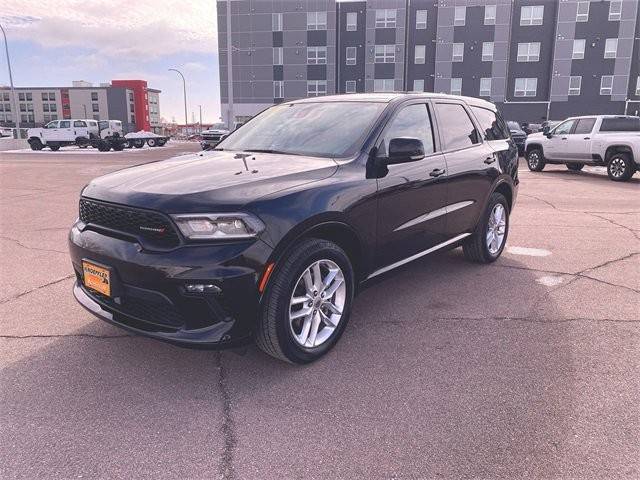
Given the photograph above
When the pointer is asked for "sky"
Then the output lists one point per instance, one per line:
(53, 42)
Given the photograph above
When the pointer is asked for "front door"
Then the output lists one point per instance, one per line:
(411, 196)
(580, 140)
(557, 147)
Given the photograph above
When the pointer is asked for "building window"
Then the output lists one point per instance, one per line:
(582, 14)
(611, 48)
(351, 57)
(383, 85)
(385, 18)
(385, 54)
(45, 107)
(487, 51)
(278, 89)
(21, 96)
(53, 107)
(575, 82)
(131, 107)
(637, 86)
(316, 55)
(606, 84)
(578, 49)
(457, 54)
(460, 16)
(94, 96)
(277, 55)
(276, 22)
(350, 86)
(316, 20)
(526, 87)
(29, 96)
(419, 55)
(131, 96)
(615, 11)
(456, 86)
(490, 15)
(316, 88)
(45, 96)
(95, 107)
(23, 107)
(485, 87)
(531, 15)
(352, 21)
(529, 52)
(421, 20)
(418, 85)
(5, 96)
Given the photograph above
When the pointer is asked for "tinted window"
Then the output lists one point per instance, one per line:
(493, 128)
(620, 125)
(456, 126)
(564, 127)
(65, 124)
(584, 125)
(323, 129)
(411, 122)
(79, 123)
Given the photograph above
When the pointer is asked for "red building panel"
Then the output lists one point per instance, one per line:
(141, 101)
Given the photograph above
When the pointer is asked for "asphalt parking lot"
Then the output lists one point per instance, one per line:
(529, 367)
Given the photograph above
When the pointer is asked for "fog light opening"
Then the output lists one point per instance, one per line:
(202, 288)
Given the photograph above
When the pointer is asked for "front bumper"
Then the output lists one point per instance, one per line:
(148, 288)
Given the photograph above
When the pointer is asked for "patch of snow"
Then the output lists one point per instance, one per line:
(142, 134)
(550, 280)
(532, 252)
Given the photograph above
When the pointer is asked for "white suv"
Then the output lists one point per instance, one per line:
(607, 140)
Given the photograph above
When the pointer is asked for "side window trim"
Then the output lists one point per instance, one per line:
(472, 119)
(430, 114)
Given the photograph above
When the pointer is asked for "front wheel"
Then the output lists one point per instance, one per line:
(152, 142)
(620, 167)
(35, 144)
(535, 160)
(138, 143)
(488, 241)
(575, 167)
(307, 303)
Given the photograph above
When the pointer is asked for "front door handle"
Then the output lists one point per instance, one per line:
(436, 172)
(564, 138)
(587, 138)
(490, 160)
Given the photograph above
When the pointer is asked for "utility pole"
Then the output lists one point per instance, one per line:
(85, 110)
(230, 115)
(13, 91)
(184, 89)
(200, 107)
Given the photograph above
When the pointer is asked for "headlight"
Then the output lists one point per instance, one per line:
(218, 226)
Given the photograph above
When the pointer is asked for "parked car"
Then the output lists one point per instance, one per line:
(267, 236)
(212, 136)
(609, 140)
(59, 133)
(518, 135)
(548, 124)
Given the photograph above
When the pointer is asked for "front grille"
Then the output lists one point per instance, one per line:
(154, 229)
(212, 137)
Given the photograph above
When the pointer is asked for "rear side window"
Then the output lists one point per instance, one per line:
(620, 125)
(456, 126)
(492, 126)
(65, 124)
(412, 122)
(584, 125)
(79, 123)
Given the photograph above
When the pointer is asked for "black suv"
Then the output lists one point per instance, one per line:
(267, 236)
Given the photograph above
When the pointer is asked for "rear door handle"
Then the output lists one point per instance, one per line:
(436, 172)
(489, 160)
(564, 138)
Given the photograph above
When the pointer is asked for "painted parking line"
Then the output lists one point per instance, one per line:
(531, 252)
(550, 280)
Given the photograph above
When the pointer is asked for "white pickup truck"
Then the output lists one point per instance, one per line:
(59, 133)
(607, 140)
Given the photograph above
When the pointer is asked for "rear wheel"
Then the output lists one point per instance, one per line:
(535, 160)
(104, 146)
(620, 167)
(35, 144)
(307, 303)
(576, 167)
(152, 142)
(138, 143)
(118, 146)
(488, 241)
(54, 148)
(161, 143)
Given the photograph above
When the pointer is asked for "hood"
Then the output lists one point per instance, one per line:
(216, 131)
(514, 131)
(209, 180)
(535, 135)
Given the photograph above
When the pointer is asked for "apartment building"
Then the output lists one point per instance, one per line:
(130, 101)
(537, 59)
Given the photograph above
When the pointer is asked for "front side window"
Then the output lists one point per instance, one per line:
(584, 125)
(575, 83)
(615, 11)
(411, 122)
(457, 128)
(418, 85)
(578, 49)
(490, 15)
(383, 85)
(457, 54)
(316, 55)
(531, 15)
(350, 86)
(485, 87)
(316, 88)
(421, 19)
(525, 87)
(456, 86)
(564, 128)
(351, 57)
(582, 14)
(606, 84)
(528, 52)
(492, 126)
(385, 54)
(419, 54)
(487, 51)
(611, 48)
(460, 16)
(323, 129)
(316, 20)
(352, 21)
(51, 125)
(385, 18)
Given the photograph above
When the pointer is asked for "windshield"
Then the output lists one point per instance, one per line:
(218, 126)
(513, 125)
(323, 129)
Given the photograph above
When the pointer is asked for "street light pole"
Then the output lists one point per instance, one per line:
(230, 113)
(85, 110)
(13, 92)
(200, 107)
(184, 89)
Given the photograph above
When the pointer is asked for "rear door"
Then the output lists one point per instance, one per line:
(80, 129)
(65, 132)
(469, 176)
(411, 196)
(579, 143)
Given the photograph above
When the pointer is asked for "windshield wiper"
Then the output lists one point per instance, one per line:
(266, 150)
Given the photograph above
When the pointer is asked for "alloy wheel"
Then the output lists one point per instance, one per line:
(533, 160)
(496, 228)
(317, 303)
(617, 167)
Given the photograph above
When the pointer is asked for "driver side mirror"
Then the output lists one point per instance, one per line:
(404, 150)
(545, 131)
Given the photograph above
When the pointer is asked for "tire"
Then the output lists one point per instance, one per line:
(54, 148)
(104, 146)
(82, 142)
(118, 147)
(620, 167)
(535, 160)
(284, 338)
(162, 143)
(138, 143)
(152, 142)
(35, 144)
(575, 167)
(477, 248)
